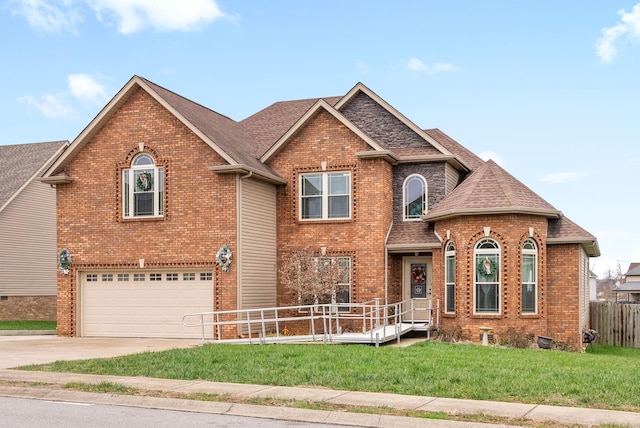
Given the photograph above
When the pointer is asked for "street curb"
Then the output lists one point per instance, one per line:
(27, 332)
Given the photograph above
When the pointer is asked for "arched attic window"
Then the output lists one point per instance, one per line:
(414, 197)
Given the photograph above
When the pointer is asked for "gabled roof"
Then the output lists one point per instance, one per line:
(283, 120)
(491, 190)
(22, 163)
(225, 136)
(634, 269)
(319, 105)
(361, 88)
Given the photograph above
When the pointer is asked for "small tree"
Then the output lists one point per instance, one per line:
(308, 278)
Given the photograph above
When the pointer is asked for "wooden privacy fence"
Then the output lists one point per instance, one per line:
(618, 324)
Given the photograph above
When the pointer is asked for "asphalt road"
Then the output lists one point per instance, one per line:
(28, 413)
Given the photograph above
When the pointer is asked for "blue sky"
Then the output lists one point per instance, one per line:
(548, 89)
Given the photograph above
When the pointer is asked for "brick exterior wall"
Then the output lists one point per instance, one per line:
(563, 294)
(37, 308)
(325, 139)
(510, 231)
(90, 222)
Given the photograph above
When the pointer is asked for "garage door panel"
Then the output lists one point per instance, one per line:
(142, 308)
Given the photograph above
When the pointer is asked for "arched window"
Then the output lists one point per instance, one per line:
(487, 277)
(450, 278)
(143, 188)
(414, 197)
(529, 277)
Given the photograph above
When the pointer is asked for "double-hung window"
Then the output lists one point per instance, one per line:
(325, 196)
(450, 279)
(487, 277)
(143, 188)
(342, 291)
(529, 277)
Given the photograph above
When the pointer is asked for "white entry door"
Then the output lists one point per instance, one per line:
(416, 285)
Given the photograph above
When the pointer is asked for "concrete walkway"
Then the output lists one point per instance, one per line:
(32, 351)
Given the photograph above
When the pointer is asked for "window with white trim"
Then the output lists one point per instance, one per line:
(529, 277)
(414, 197)
(487, 277)
(325, 195)
(143, 188)
(342, 277)
(450, 278)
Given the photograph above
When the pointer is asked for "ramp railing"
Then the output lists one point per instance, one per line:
(325, 322)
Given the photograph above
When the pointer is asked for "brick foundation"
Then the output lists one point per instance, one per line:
(36, 308)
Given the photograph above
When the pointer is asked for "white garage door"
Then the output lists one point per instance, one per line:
(143, 303)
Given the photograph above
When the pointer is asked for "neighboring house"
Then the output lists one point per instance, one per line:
(629, 291)
(27, 232)
(156, 184)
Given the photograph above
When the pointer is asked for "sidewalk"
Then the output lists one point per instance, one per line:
(539, 413)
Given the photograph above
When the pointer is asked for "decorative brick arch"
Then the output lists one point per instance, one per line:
(469, 260)
(126, 163)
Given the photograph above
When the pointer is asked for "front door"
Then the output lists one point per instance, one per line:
(416, 285)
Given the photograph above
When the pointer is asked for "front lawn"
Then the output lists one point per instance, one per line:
(27, 325)
(604, 377)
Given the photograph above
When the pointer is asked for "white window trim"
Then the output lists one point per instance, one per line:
(325, 195)
(533, 252)
(449, 253)
(477, 251)
(404, 197)
(129, 173)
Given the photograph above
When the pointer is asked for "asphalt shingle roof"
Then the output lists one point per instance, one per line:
(491, 190)
(20, 162)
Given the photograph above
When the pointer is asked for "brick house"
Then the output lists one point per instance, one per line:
(27, 232)
(156, 184)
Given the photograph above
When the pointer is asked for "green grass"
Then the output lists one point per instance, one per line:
(27, 325)
(604, 377)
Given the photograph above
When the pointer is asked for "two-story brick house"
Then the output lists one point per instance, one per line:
(156, 184)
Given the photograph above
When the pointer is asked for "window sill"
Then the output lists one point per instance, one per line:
(488, 316)
(136, 219)
(323, 221)
(530, 316)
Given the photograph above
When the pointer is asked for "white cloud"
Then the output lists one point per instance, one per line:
(85, 88)
(489, 154)
(82, 88)
(48, 16)
(52, 106)
(562, 177)
(629, 26)
(417, 66)
(162, 15)
(128, 16)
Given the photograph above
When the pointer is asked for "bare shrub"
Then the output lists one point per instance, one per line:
(308, 278)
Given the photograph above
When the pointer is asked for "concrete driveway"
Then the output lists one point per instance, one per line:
(24, 350)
